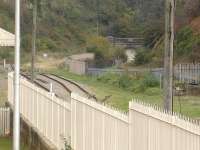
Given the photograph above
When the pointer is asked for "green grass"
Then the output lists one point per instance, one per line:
(120, 98)
(6, 144)
(3, 87)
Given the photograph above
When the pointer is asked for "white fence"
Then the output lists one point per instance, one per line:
(152, 129)
(96, 127)
(45, 112)
(93, 126)
(4, 121)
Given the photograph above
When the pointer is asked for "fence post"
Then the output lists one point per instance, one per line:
(173, 134)
(84, 127)
(92, 129)
(4, 63)
(161, 81)
(180, 72)
(103, 131)
(149, 127)
(130, 127)
(73, 122)
(52, 117)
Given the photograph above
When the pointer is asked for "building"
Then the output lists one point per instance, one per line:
(79, 63)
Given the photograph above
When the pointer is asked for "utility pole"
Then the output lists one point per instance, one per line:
(34, 40)
(16, 121)
(169, 48)
(98, 16)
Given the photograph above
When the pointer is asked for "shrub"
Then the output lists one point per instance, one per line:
(150, 80)
(105, 52)
(109, 78)
(125, 81)
(142, 57)
(130, 83)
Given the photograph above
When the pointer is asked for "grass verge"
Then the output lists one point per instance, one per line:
(120, 98)
(6, 144)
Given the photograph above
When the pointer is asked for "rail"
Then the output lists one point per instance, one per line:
(62, 84)
(76, 84)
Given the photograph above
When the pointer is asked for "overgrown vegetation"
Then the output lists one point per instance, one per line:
(188, 44)
(119, 96)
(132, 83)
(79, 26)
(104, 51)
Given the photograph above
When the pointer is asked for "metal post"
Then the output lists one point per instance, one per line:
(16, 122)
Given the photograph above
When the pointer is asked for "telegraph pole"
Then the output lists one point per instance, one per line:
(169, 48)
(16, 121)
(98, 16)
(34, 40)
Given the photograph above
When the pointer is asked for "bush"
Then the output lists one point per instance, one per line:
(187, 44)
(105, 52)
(130, 83)
(109, 78)
(125, 81)
(150, 80)
(142, 57)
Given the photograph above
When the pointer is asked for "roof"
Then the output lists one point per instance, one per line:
(83, 56)
(6, 38)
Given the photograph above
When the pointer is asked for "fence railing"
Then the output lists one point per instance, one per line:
(4, 121)
(99, 71)
(188, 73)
(93, 126)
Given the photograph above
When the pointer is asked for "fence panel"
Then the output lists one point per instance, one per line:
(4, 121)
(152, 129)
(97, 127)
(43, 110)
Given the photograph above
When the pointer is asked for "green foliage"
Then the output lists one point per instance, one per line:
(125, 81)
(64, 25)
(67, 143)
(150, 80)
(185, 41)
(143, 56)
(187, 44)
(105, 52)
(129, 82)
(67, 146)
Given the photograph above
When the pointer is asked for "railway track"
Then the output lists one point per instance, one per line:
(36, 83)
(69, 85)
(62, 87)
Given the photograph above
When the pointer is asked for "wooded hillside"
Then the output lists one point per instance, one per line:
(74, 26)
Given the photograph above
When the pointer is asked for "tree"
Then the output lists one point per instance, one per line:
(192, 8)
